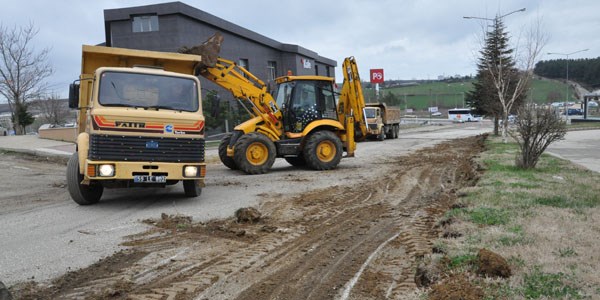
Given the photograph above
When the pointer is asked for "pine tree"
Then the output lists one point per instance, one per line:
(496, 58)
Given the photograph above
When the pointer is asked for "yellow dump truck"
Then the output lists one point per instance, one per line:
(383, 121)
(140, 123)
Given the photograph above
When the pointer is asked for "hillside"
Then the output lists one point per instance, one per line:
(451, 95)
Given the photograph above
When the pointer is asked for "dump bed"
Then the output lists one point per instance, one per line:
(389, 114)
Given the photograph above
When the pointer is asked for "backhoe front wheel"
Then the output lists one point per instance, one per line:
(254, 153)
(323, 150)
(81, 193)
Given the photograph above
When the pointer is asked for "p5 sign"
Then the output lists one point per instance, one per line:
(376, 75)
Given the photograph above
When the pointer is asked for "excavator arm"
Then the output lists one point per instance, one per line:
(243, 85)
(248, 89)
(352, 102)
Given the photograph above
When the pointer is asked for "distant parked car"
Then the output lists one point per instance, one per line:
(436, 114)
(574, 112)
(592, 104)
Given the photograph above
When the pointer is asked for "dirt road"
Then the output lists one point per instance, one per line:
(351, 233)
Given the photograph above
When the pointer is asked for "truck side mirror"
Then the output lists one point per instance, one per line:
(74, 95)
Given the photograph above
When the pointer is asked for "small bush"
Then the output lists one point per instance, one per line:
(536, 129)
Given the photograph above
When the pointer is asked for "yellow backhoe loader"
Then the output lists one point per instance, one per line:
(302, 122)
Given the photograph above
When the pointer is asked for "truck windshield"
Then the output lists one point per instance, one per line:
(148, 91)
(370, 113)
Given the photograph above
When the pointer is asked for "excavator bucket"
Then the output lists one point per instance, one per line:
(209, 50)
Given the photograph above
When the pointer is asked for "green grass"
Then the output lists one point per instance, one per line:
(538, 284)
(461, 261)
(508, 211)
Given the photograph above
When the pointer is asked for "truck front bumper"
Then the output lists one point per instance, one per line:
(135, 170)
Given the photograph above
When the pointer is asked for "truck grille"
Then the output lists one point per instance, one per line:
(141, 148)
(372, 126)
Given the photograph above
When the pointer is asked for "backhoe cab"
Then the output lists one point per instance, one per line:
(302, 122)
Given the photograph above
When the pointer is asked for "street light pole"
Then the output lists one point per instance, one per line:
(567, 96)
(497, 17)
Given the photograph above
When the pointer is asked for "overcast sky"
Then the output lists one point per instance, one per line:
(408, 39)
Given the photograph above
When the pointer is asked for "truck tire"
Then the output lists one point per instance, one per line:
(323, 150)
(80, 193)
(389, 132)
(254, 153)
(396, 130)
(191, 188)
(298, 161)
(226, 160)
(381, 135)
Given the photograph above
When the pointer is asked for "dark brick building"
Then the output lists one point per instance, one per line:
(169, 26)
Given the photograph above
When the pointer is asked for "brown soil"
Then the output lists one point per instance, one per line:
(457, 287)
(344, 242)
(491, 264)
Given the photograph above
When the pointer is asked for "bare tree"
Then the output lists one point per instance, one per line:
(53, 110)
(23, 70)
(536, 129)
(510, 82)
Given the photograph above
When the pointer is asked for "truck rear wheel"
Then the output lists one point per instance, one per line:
(323, 150)
(191, 188)
(254, 153)
(226, 160)
(80, 193)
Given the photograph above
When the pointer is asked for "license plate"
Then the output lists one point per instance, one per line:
(150, 178)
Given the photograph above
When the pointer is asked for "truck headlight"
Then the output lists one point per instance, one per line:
(190, 171)
(106, 170)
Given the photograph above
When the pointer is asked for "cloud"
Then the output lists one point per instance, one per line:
(409, 39)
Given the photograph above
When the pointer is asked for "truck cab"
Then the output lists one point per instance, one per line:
(140, 123)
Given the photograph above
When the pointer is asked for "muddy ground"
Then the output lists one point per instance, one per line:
(342, 242)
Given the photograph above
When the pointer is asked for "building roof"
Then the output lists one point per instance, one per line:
(120, 14)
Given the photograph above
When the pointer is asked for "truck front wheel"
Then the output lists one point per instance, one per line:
(81, 193)
(191, 188)
(254, 153)
(323, 150)
(381, 135)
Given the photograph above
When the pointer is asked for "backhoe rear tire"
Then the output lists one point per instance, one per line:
(254, 153)
(226, 160)
(323, 150)
(82, 194)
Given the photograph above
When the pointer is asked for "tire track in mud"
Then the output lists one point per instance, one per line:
(342, 242)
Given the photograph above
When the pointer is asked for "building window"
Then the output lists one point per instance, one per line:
(316, 69)
(272, 69)
(145, 23)
(243, 62)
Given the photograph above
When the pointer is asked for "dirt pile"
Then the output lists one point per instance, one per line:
(491, 264)
(457, 287)
(247, 215)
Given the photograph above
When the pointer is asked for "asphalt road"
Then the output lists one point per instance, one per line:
(581, 147)
(44, 233)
